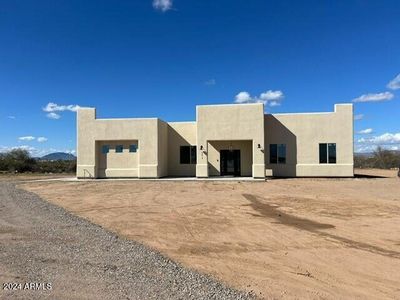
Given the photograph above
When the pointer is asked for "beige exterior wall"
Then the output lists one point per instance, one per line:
(145, 131)
(230, 123)
(302, 134)
(114, 164)
(244, 127)
(180, 134)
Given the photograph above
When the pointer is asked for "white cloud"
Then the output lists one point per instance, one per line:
(366, 131)
(390, 141)
(384, 139)
(52, 107)
(26, 138)
(162, 5)
(24, 147)
(358, 117)
(378, 97)
(394, 84)
(42, 139)
(11, 117)
(274, 103)
(210, 82)
(243, 97)
(271, 95)
(53, 116)
(271, 98)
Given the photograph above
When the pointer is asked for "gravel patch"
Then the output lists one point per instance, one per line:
(43, 243)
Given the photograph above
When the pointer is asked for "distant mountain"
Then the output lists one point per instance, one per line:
(58, 156)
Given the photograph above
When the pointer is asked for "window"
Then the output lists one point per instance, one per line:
(188, 155)
(277, 153)
(327, 153)
(273, 153)
(193, 155)
(322, 153)
(105, 149)
(282, 154)
(119, 148)
(332, 153)
(133, 148)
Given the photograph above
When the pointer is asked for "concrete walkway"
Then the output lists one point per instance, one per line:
(234, 179)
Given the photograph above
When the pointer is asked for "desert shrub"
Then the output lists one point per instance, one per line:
(56, 166)
(381, 159)
(19, 160)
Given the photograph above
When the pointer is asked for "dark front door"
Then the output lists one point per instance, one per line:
(230, 162)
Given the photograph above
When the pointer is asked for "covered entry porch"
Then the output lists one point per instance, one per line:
(230, 158)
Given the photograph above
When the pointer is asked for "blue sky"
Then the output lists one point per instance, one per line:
(161, 58)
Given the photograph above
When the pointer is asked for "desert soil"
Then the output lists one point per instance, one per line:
(283, 238)
(43, 245)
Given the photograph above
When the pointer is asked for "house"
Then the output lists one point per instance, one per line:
(225, 140)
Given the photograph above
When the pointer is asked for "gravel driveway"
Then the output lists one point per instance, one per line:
(42, 243)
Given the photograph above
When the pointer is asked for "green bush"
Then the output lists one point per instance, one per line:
(19, 161)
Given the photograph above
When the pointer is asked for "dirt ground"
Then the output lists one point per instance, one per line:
(284, 238)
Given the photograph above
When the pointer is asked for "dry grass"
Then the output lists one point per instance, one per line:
(285, 238)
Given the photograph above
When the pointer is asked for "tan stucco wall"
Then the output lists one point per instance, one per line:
(230, 122)
(114, 164)
(302, 134)
(246, 156)
(162, 166)
(145, 131)
(180, 134)
(245, 127)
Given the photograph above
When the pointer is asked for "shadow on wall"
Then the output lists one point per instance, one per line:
(101, 160)
(212, 171)
(278, 133)
(175, 168)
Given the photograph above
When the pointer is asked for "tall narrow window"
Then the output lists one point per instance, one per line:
(119, 148)
(322, 153)
(193, 154)
(327, 153)
(188, 155)
(332, 153)
(105, 149)
(277, 153)
(273, 153)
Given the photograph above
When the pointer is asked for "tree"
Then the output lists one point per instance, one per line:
(17, 160)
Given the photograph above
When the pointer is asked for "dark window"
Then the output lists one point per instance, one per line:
(322, 153)
(188, 155)
(119, 149)
(105, 149)
(332, 153)
(273, 153)
(133, 148)
(282, 154)
(327, 153)
(193, 155)
(277, 153)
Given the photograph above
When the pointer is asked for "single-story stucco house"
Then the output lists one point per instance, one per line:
(225, 140)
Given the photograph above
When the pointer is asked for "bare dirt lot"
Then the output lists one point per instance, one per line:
(284, 238)
(48, 253)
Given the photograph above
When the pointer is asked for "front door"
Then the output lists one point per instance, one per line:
(230, 162)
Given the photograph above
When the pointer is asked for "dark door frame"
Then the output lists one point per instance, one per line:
(234, 157)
